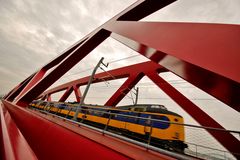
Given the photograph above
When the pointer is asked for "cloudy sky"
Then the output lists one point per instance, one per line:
(33, 32)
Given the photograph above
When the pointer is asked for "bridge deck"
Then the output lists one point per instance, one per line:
(48, 137)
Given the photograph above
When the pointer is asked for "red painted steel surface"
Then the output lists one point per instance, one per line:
(209, 62)
(124, 89)
(38, 76)
(123, 147)
(206, 55)
(14, 92)
(150, 69)
(50, 141)
(79, 50)
(66, 94)
(119, 73)
(13, 144)
(77, 93)
(229, 141)
(49, 98)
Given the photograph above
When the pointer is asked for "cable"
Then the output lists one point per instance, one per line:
(152, 98)
(148, 84)
(114, 61)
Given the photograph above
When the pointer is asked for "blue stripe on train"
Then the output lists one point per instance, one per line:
(161, 125)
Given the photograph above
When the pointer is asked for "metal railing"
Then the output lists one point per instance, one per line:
(194, 149)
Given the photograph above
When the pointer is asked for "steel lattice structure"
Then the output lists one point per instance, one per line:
(205, 55)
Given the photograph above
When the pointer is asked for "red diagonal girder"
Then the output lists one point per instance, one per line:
(77, 93)
(66, 94)
(205, 55)
(229, 141)
(134, 74)
(124, 89)
(119, 73)
(79, 50)
(16, 91)
(196, 43)
(37, 77)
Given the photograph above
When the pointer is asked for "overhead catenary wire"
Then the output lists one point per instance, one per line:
(160, 98)
(146, 84)
(89, 69)
(149, 85)
(131, 97)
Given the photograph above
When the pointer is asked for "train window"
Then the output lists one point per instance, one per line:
(116, 112)
(158, 107)
(106, 115)
(43, 103)
(163, 124)
(132, 119)
(61, 106)
(97, 112)
(84, 109)
(119, 117)
(145, 122)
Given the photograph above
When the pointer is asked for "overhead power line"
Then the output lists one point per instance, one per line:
(89, 69)
(160, 98)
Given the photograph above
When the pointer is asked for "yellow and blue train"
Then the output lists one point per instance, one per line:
(135, 121)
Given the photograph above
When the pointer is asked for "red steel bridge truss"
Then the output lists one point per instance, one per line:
(205, 55)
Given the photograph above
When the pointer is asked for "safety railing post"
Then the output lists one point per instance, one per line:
(68, 113)
(106, 126)
(57, 111)
(150, 133)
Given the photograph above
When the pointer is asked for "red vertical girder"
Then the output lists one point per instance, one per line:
(229, 141)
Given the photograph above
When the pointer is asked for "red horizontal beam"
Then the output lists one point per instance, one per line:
(206, 55)
(110, 75)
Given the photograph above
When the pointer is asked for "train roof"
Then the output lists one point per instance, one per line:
(148, 108)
